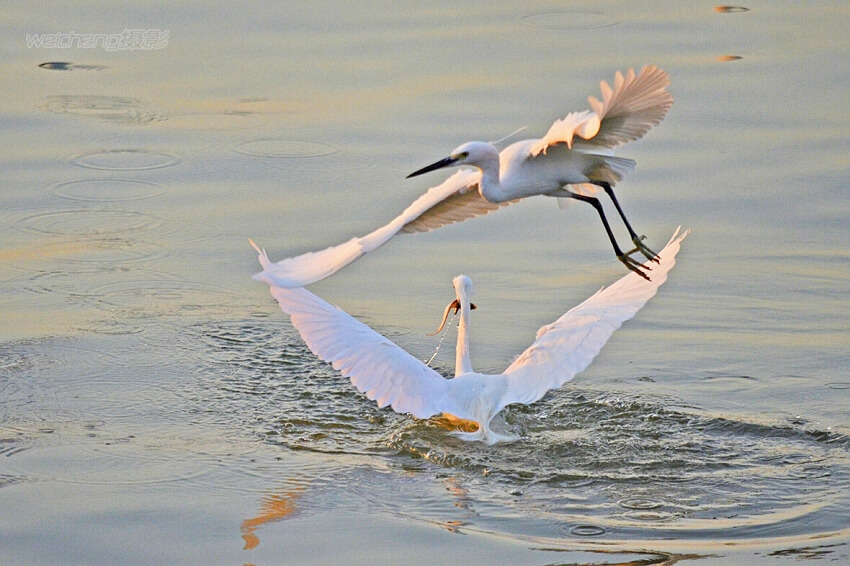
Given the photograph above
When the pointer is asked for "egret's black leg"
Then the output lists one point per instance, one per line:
(630, 263)
(637, 240)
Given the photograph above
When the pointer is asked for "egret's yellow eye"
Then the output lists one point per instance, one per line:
(461, 155)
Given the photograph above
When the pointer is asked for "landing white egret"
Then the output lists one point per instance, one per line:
(573, 160)
(389, 375)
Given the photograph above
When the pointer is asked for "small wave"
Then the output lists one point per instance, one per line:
(136, 159)
(622, 466)
(120, 109)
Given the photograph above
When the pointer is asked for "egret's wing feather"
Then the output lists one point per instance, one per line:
(568, 345)
(630, 109)
(454, 200)
(583, 124)
(461, 205)
(376, 366)
(312, 266)
(627, 111)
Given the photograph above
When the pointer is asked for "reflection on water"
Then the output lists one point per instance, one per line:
(629, 469)
(274, 507)
(730, 9)
(67, 66)
(636, 468)
(151, 391)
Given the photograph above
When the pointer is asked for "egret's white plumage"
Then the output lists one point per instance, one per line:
(574, 159)
(392, 377)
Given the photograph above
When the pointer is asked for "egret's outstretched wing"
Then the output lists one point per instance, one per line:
(454, 200)
(376, 366)
(568, 345)
(631, 108)
(457, 207)
(626, 113)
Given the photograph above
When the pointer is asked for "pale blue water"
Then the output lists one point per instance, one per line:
(158, 408)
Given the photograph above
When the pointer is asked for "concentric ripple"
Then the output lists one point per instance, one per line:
(90, 222)
(135, 159)
(94, 251)
(114, 463)
(107, 190)
(284, 148)
(162, 295)
(568, 20)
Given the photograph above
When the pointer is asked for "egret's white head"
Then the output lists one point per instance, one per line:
(463, 292)
(476, 153)
(463, 288)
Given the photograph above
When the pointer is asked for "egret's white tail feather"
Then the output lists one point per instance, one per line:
(613, 170)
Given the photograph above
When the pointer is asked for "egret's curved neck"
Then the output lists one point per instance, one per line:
(489, 167)
(462, 363)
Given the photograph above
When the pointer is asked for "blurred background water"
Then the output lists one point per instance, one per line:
(158, 408)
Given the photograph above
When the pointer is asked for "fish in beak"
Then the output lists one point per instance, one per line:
(453, 305)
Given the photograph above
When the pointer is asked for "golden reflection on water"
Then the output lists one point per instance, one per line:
(79, 272)
(274, 507)
(730, 9)
(55, 250)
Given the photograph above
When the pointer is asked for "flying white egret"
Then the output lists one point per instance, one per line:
(574, 160)
(389, 375)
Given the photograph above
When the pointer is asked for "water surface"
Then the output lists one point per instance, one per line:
(158, 408)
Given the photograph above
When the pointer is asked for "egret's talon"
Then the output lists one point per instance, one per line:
(648, 253)
(634, 265)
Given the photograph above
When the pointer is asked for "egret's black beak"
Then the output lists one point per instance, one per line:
(447, 162)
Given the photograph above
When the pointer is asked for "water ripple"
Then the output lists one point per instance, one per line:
(163, 295)
(284, 148)
(136, 159)
(107, 190)
(568, 20)
(93, 251)
(590, 463)
(89, 222)
(120, 109)
(118, 462)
